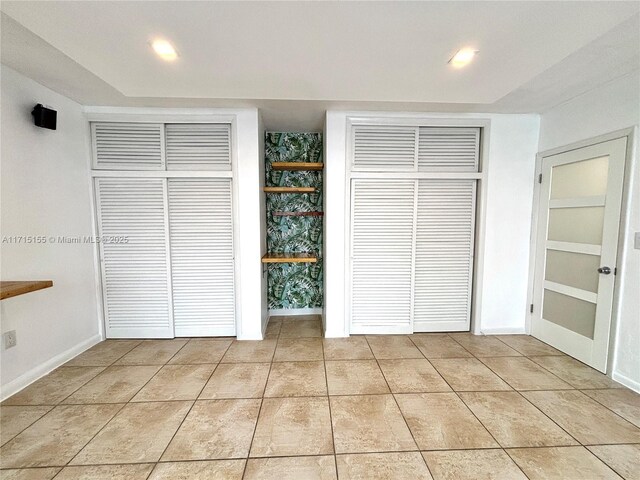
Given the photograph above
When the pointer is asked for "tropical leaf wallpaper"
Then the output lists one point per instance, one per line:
(294, 285)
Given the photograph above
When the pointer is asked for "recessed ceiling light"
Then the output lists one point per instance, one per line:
(164, 50)
(463, 57)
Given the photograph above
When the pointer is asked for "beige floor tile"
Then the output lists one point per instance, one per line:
(29, 474)
(107, 472)
(153, 352)
(139, 433)
(472, 465)
(441, 421)
(293, 426)
(468, 375)
(207, 470)
(561, 463)
(273, 328)
(353, 377)
(624, 402)
(296, 379)
(103, 354)
(382, 466)
(413, 375)
(291, 468)
(242, 351)
(298, 349)
(392, 347)
(57, 437)
(586, 420)
(176, 382)
(301, 327)
(369, 423)
(350, 348)
(117, 384)
(215, 429)
(54, 387)
(528, 345)
(14, 420)
(624, 459)
(575, 373)
(202, 350)
(513, 421)
(237, 380)
(523, 374)
(484, 346)
(439, 346)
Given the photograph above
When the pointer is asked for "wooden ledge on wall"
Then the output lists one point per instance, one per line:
(13, 288)
(289, 258)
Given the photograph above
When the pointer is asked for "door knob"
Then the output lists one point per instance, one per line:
(604, 270)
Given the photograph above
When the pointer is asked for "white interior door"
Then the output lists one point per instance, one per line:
(202, 265)
(444, 255)
(382, 242)
(578, 222)
(134, 257)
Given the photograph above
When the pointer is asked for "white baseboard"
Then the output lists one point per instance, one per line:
(295, 311)
(27, 378)
(503, 331)
(626, 381)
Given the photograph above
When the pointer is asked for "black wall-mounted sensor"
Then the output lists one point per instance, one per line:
(44, 117)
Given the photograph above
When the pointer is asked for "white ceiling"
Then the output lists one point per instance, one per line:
(295, 59)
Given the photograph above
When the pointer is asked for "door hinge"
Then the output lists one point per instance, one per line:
(540, 178)
(615, 270)
(531, 308)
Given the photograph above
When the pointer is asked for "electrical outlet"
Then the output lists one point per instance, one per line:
(10, 339)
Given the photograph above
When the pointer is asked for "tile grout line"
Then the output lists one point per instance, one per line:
(190, 408)
(395, 400)
(264, 389)
(326, 381)
(475, 416)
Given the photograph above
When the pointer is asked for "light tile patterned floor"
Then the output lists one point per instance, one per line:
(296, 406)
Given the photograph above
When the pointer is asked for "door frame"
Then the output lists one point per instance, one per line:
(481, 195)
(163, 116)
(623, 225)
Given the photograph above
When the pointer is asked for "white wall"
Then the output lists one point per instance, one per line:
(611, 107)
(512, 147)
(45, 191)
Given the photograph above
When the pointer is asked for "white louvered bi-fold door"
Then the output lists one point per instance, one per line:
(444, 255)
(381, 255)
(135, 273)
(202, 265)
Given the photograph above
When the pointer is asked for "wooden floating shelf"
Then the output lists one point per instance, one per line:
(297, 166)
(298, 214)
(14, 288)
(289, 258)
(289, 189)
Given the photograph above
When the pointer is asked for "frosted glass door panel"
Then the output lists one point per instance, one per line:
(577, 225)
(580, 179)
(570, 312)
(578, 270)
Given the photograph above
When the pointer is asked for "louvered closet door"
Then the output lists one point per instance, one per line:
(384, 147)
(135, 278)
(198, 146)
(127, 146)
(444, 255)
(202, 265)
(381, 255)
